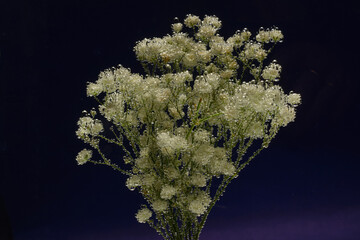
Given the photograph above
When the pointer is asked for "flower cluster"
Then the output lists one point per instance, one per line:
(186, 126)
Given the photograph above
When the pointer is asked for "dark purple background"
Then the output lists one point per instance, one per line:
(305, 186)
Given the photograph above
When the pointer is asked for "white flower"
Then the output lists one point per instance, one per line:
(143, 215)
(192, 21)
(202, 136)
(218, 46)
(254, 129)
(206, 32)
(167, 192)
(148, 180)
(172, 173)
(203, 154)
(176, 27)
(94, 89)
(294, 99)
(219, 163)
(160, 205)
(113, 108)
(253, 51)
(200, 204)
(284, 116)
(198, 180)
(133, 182)
(149, 49)
(213, 79)
(169, 144)
(202, 86)
(89, 126)
(271, 72)
(83, 156)
(276, 35)
(190, 60)
(263, 36)
(162, 94)
(182, 98)
(212, 20)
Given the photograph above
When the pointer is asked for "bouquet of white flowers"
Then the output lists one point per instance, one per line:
(186, 128)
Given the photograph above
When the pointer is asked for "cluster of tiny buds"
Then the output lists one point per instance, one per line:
(269, 35)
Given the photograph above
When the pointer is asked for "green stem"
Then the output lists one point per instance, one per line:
(157, 229)
(222, 187)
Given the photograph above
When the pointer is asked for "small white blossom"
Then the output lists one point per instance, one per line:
(148, 180)
(263, 36)
(198, 180)
(83, 156)
(149, 49)
(143, 215)
(133, 182)
(200, 204)
(160, 205)
(94, 89)
(169, 144)
(177, 27)
(202, 86)
(113, 108)
(284, 116)
(212, 20)
(276, 35)
(294, 99)
(253, 51)
(271, 72)
(203, 154)
(192, 21)
(167, 192)
(89, 126)
(206, 32)
(172, 173)
(202, 136)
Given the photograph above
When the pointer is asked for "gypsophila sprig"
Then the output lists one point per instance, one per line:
(187, 126)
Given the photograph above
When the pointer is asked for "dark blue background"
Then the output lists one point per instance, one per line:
(305, 186)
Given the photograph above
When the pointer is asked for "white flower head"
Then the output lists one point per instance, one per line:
(169, 144)
(192, 21)
(83, 156)
(160, 205)
(113, 108)
(94, 89)
(272, 72)
(133, 182)
(253, 51)
(199, 205)
(203, 154)
(177, 27)
(198, 180)
(212, 21)
(202, 136)
(263, 36)
(284, 116)
(143, 215)
(205, 32)
(276, 35)
(167, 192)
(294, 99)
(89, 126)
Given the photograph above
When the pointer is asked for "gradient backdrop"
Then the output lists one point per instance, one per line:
(305, 186)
